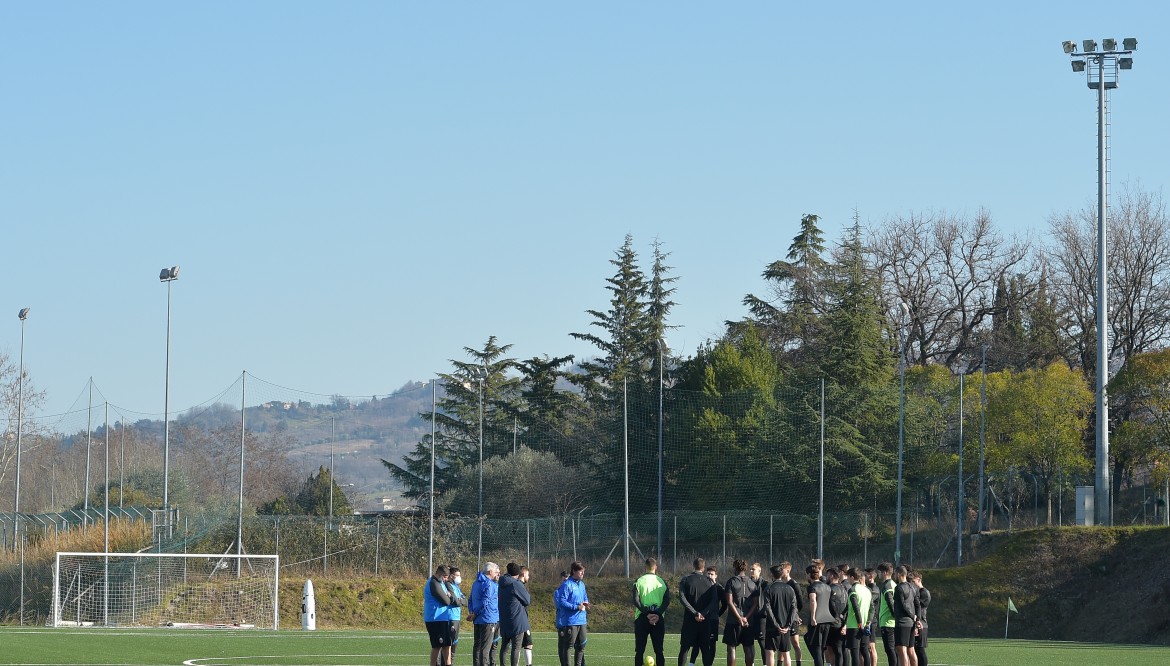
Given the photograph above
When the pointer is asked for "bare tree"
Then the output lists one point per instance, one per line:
(945, 268)
(9, 401)
(1139, 277)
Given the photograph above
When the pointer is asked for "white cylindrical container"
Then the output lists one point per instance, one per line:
(308, 608)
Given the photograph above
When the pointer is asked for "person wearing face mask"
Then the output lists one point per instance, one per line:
(437, 604)
(454, 580)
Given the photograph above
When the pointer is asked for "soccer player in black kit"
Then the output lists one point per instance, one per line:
(699, 596)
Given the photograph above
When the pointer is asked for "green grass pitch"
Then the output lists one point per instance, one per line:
(205, 647)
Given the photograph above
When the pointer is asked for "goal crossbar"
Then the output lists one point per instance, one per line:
(220, 590)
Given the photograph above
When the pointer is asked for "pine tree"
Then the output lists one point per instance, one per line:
(790, 319)
(457, 424)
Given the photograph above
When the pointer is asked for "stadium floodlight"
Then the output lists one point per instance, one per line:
(22, 315)
(167, 275)
(1070, 46)
(1108, 44)
(1129, 43)
(1102, 76)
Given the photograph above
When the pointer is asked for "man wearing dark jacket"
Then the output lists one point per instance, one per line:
(700, 600)
(779, 607)
(514, 600)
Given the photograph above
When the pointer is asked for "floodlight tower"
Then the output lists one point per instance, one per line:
(1101, 70)
(167, 275)
(23, 315)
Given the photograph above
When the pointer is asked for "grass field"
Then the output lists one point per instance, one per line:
(101, 647)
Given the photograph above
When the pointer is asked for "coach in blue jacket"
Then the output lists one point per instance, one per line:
(484, 602)
(572, 604)
(514, 628)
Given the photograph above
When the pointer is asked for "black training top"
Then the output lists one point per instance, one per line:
(799, 597)
(781, 600)
(822, 592)
(905, 605)
(741, 588)
(923, 604)
(699, 595)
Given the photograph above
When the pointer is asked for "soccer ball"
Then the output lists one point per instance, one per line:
(648, 660)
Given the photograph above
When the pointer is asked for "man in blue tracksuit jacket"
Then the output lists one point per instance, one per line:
(484, 603)
(572, 603)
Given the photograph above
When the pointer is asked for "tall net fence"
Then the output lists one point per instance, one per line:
(766, 475)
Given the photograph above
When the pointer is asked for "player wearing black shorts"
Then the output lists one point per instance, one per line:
(923, 605)
(838, 597)
(437, 604)
(651, 599)
(885, 619)
(779, 607)
(820, 618)
(905, 616)
(738, 592)
(700, 600)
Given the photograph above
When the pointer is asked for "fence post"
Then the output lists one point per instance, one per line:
(377, 542)
(865, 540)
(528, 539)
(573, 529)
(724, 541)
(675, 540)
(770, 533)
(325, 560)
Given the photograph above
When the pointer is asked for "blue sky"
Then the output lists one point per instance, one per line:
(355, 191)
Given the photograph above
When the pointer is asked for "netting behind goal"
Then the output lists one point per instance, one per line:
(167, 590)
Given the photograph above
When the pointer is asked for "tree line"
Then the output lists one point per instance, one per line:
(954, 294)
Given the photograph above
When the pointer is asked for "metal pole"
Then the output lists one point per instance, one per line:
(959, 523)
(431, 496)
(122, 465)
(724, 560)
(23, 314)
(661, 390)
(1102, 501)
(105, 533)
(167, 413)
(770, 533)
(240, 513)
(479, 547)
(626, 474)
(515, 432)
(332, 442)
(821, 500)
(674, 539)
(901, 428)
(106, 507)
(982, 435)
(88, 445)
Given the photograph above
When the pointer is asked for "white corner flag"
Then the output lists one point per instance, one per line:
(1008, 619)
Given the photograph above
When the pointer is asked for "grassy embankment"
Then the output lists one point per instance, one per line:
(1078, 584)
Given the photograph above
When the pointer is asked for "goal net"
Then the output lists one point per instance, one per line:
(165, 589)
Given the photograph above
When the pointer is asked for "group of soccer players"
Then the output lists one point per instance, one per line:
(843, 609)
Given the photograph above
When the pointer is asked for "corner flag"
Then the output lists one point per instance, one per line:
(1008, 616)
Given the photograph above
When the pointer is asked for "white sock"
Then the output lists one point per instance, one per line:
(528, 656)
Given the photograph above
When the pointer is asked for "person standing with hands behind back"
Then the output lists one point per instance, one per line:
(572, 603)
(651, 597)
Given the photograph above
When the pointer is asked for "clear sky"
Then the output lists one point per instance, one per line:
(357, 190)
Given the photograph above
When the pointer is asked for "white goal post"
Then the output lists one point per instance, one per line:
(166, 590)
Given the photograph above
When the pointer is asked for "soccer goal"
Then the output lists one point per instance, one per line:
(165, 590)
